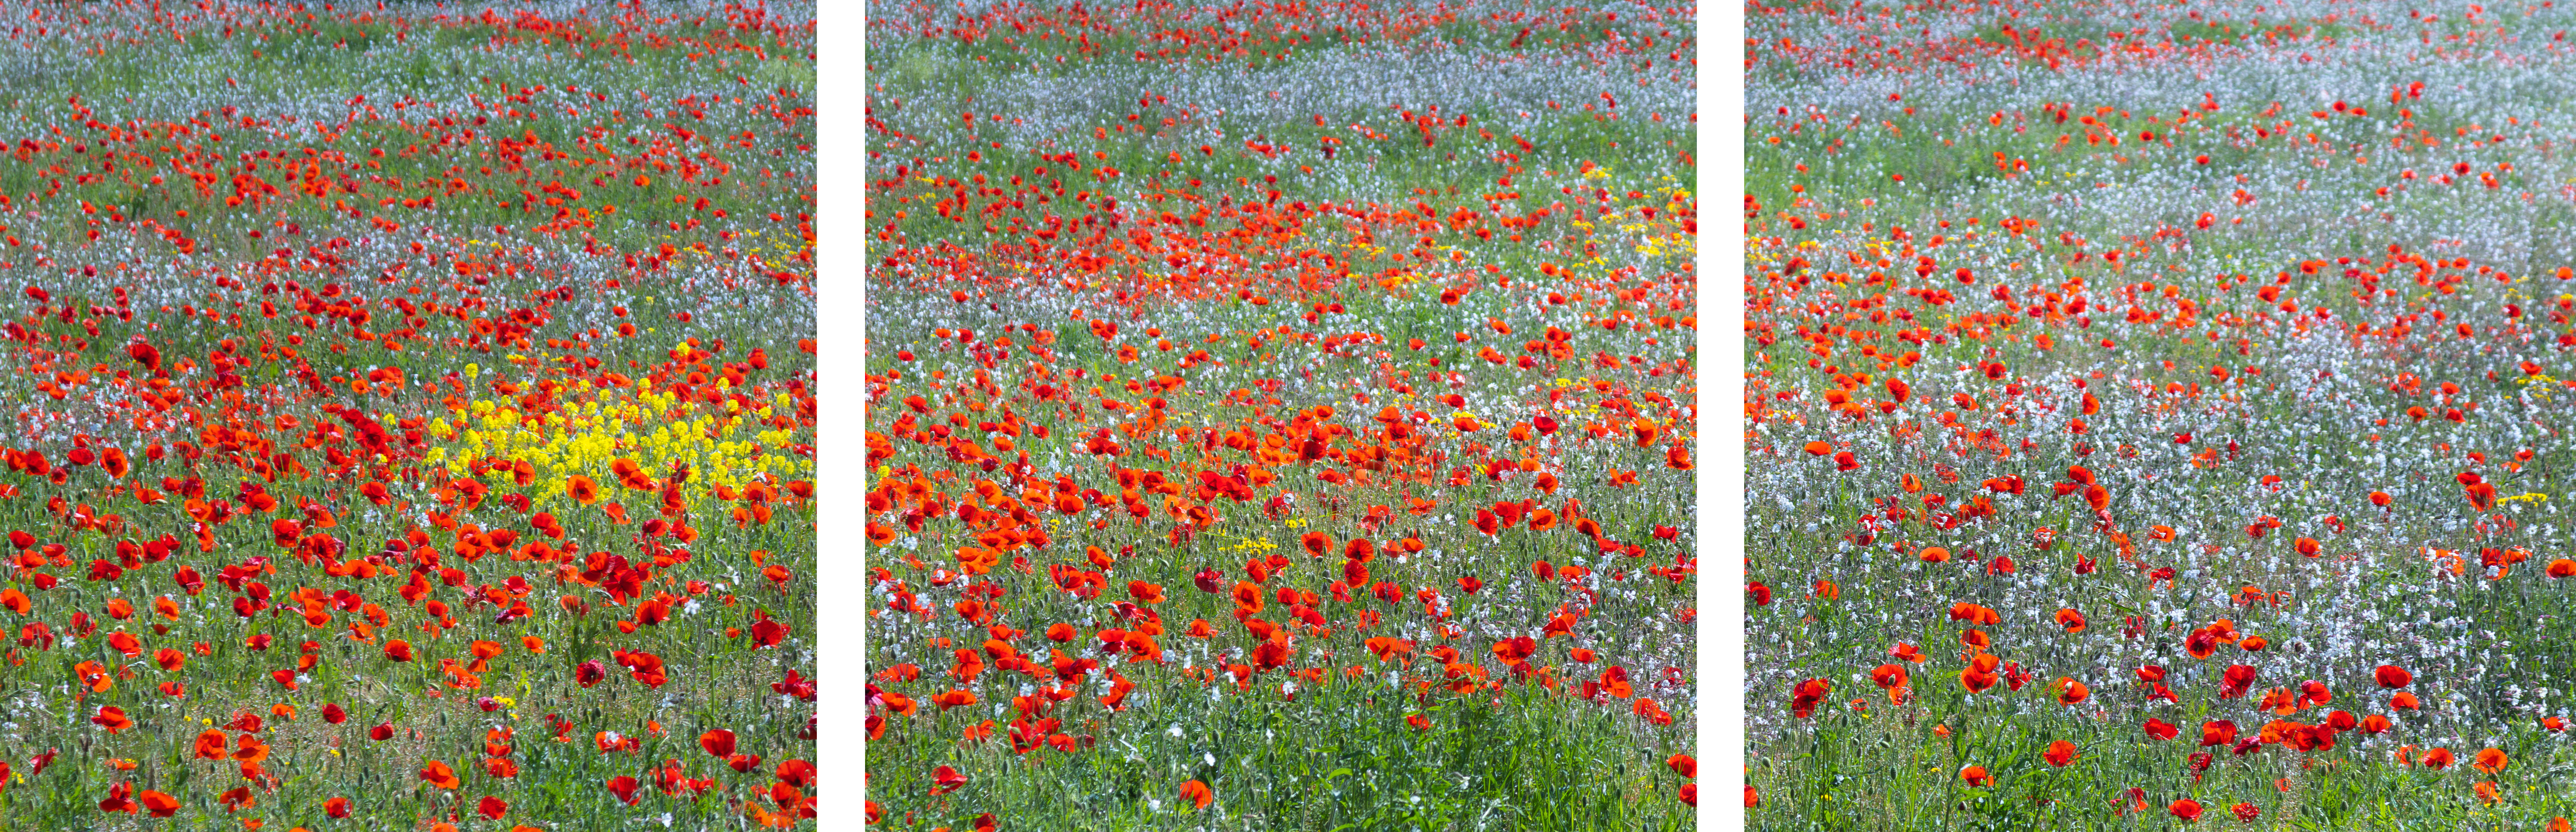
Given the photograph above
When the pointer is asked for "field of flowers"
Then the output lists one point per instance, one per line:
(2160, 416)
(413, 416)
(1279, 416)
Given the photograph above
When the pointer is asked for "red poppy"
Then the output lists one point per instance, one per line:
(1807, 696)
(159, 804)
(720, 742)
(947, 780)
(1197, 794)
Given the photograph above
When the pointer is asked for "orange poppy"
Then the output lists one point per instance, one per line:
(440, 775)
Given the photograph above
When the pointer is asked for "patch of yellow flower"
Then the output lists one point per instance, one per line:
(724, 445)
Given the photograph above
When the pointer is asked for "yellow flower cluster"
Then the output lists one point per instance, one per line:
(726, 445)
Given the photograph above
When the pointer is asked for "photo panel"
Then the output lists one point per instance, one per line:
(1281, 416)
(414, 416)
(2156, 416)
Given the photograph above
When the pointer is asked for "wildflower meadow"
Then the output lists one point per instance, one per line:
(2158, 416)
(412, 416)
(1280, 416)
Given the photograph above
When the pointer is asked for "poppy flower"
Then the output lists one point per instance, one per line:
(159, 804)
(2060, 753)
(623, 788)
(440, 775)
(1807, 696)
(2237, 679)
(1976, 776)
(945, 780)
(2187, 809)
(1197, 794)
(1974, 614)
(2392, 676)
(210, 745)
(2217, 733)
(1980, 675)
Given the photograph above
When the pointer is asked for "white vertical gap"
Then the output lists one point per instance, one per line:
(840, 370)
(1720, 511)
